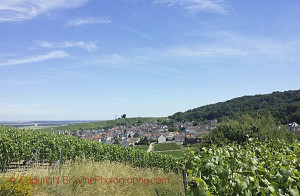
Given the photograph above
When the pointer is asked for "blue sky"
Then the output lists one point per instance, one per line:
(88, 59)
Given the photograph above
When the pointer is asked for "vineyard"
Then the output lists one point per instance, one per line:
(166, 146)
(20, 145)
(256, 168)
(269, 167)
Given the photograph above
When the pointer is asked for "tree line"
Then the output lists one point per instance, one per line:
(283, 106)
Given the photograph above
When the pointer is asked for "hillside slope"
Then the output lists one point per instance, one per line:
(104, 124)
(284, 106)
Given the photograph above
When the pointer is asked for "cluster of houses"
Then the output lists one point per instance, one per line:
(132, 135)
(188, 133)
(293, 127)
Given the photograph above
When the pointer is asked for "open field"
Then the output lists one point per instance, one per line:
(166, 146)
(141, 147)
(37, 127)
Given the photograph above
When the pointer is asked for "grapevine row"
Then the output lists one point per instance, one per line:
(17, 144)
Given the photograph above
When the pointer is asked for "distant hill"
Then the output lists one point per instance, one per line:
(284, 106)
(104, 124)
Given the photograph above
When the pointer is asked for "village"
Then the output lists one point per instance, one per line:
(180, 132)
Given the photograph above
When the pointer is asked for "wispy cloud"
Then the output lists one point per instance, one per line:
(137, 63)
(38, 58)
(90, 46)
(214, 55)
(20, 82)
(232, 46)
(167, 60)
(259, 47)
(17, 10)
(85, 21)
(205, 51)
(139, 33)
(195, 6)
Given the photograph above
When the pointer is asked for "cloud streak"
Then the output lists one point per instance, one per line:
(139, 33)
(224, 47)
(51, 55)
(273, 49)
(195, 6)
(86, 21)
(90, 46)
(18, 10)
(205, 51)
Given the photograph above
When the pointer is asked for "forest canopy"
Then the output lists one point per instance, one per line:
(283, 106)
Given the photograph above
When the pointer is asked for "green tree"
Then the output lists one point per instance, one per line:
(144, 141)
(136, 135)
(116, 140)
(172, 129)
(284, 107)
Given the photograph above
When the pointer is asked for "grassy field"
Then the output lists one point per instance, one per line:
(194, 147)
(165, 183)
(166, 146)
(103, 124)
(36, 127)
(177, 154)
(142, 147)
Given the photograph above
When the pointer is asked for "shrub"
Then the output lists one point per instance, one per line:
(16, 185)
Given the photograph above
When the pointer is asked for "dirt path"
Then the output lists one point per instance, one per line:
(150, 147)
